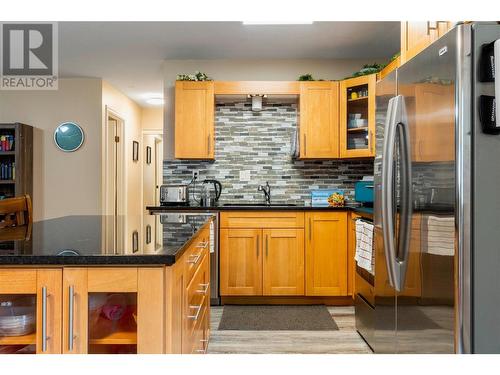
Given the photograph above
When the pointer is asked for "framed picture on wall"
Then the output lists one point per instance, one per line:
(148, 155)
(135, 151)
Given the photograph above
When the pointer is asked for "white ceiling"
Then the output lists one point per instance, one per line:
(129, 55)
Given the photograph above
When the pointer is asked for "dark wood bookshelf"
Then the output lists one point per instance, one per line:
(22, 156)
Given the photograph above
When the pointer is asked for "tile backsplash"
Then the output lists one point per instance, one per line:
(258, 145)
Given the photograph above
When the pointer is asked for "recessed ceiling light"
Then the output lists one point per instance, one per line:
(155, 101)
(272, 23)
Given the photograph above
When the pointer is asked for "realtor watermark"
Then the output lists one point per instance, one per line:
(28, 56)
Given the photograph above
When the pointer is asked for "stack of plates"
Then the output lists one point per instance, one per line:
(17, 321)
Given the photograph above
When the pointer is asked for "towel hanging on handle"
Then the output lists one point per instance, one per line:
(364, 255)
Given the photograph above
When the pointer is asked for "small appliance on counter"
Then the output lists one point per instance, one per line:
(174, 195)
(210, 197)
(363, 191)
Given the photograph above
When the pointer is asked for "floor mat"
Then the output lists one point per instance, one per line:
(277, 318)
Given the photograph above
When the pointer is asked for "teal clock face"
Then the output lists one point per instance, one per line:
(69, 136)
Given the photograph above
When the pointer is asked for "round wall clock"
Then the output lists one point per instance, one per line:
(69, 136)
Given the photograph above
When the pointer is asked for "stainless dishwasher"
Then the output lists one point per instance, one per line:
(174, 216)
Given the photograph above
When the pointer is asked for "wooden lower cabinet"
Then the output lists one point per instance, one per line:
(261, 262)
(326, 253)
(161, 309)
(308, 260)
(240, 262)
(283, 262)
(39, 292)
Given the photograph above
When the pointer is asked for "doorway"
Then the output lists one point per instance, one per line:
(152, 180)
(114, 182)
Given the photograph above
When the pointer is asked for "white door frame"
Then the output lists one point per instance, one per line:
(112, 226)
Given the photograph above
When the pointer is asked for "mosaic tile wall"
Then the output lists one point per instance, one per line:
(260, 142)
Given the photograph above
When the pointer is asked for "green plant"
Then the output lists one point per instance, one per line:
(368, 69)
(306, 77)
(197, 76)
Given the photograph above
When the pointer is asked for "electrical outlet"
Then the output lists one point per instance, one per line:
(196, 174)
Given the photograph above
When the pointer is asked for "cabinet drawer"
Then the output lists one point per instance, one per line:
(200, 335)
(197, 296)
(17, 281)
(262, 219)
(193, 256)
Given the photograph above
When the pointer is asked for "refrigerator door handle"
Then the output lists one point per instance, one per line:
(496, 57)
(406, 198)
(387, 193)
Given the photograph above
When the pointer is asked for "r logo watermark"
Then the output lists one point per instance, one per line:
(28, 56)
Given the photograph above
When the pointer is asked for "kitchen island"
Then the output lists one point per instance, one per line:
(69, 285)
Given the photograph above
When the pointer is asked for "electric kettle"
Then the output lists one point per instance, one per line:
(210, 197)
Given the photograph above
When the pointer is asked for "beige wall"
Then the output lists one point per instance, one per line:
(131, 114)
(152, 119)
(63, 183)
(247, 70)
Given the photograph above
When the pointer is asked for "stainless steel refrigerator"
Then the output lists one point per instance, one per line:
(437, 201)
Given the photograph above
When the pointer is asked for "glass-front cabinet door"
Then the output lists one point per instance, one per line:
(30, 311)
(113, 310)
(357, 117)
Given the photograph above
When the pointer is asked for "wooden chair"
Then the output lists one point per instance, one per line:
(16, 218)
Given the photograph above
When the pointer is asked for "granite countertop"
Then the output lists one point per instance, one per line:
(80, 240)
(243, 207)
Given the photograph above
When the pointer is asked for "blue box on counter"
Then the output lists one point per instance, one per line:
(363, 191)
(327, 198)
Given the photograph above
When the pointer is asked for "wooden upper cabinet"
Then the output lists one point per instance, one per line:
(194, 120)
(240, 262)
(319, 119)
(283, 262)
(357, 117)
(416, 36)
(326, 253)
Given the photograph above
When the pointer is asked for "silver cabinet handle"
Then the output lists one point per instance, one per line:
(310, 229)
(202, 245)
(267, 245)
(208, 144)
(197, 314)
(205, 347)
(305, 145)
(44, 319)
(71, 306)
(258, 240)
(193, 259)
(205, 288)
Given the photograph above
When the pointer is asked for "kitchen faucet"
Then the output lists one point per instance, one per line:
(267, 192)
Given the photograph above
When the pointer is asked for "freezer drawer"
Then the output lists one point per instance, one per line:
(365, 319)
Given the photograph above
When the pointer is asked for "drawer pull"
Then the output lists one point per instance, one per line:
(205, 288)
(202, 245)
(198, 310)
(193, 259)
(205, 347)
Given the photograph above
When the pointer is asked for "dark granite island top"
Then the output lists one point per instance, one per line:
(82, 240)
